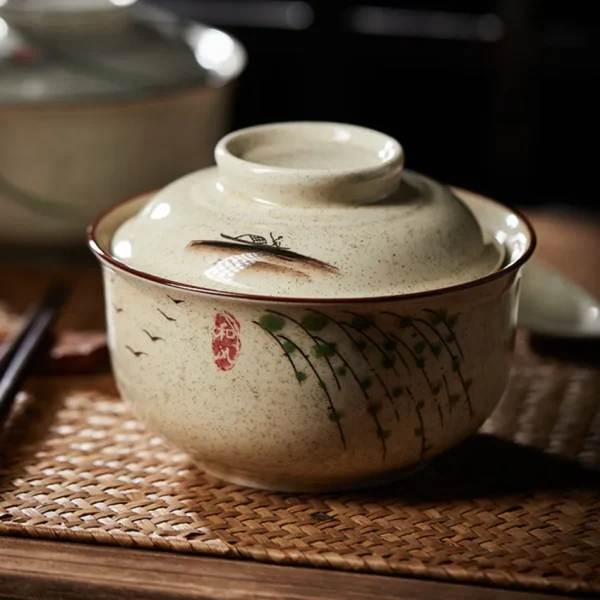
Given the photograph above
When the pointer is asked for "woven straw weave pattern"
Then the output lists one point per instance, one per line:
(75, 465)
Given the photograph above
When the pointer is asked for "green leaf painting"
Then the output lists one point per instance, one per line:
(391, 361)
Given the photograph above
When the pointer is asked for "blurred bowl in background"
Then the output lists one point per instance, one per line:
(102, 100)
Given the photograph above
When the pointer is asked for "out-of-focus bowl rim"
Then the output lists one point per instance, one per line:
(145, 93)
(504, 271)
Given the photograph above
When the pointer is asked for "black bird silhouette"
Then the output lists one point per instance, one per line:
(136, 353)
(174, 300)
(117, 308)
(154, 338)
(167, 317)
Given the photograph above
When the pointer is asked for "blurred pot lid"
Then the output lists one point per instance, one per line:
(69, 50)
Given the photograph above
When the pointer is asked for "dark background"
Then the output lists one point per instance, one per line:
(497, 96)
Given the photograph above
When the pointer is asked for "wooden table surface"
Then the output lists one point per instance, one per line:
(34, 569)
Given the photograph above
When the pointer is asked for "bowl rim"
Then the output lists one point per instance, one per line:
(498, 274)
(142, 94)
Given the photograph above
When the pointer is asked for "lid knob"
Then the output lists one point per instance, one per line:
(307, 163)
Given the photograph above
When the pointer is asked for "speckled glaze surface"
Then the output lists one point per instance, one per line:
(313, 394)
(308, 210)
(315, 397)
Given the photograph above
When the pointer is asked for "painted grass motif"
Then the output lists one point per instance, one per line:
(386, 349)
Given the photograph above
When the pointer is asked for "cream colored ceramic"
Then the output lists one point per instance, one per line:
(115, 113)
(315, 207)
(267, 388)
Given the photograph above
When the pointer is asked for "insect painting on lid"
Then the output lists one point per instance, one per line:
(249, 251)
(256, 240)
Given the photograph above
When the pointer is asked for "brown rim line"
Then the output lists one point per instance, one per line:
(498, 274)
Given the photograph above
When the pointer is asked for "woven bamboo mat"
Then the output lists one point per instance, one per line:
(518, 505)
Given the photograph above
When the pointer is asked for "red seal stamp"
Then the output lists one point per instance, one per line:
(226, 343)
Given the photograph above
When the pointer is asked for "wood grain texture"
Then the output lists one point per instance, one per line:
(57, 571)
(570, 244)
(24, 283)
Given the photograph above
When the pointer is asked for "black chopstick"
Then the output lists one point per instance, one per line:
(17, 361)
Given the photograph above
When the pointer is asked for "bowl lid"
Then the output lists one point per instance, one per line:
(308, 210)
(68, 50)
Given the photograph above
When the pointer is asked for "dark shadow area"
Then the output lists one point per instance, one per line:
(48, 257)
(485, 466)
(482, 467)
(585, 352)
(495, 96)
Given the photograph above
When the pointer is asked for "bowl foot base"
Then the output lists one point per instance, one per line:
(278, 484)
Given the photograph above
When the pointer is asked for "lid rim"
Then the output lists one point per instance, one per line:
(504, 271)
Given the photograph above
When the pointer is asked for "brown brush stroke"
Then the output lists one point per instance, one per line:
(270, 267)
(265, 252)
(271, 264)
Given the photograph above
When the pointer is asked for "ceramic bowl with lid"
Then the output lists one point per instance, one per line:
(308, 314)
(101, 100)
